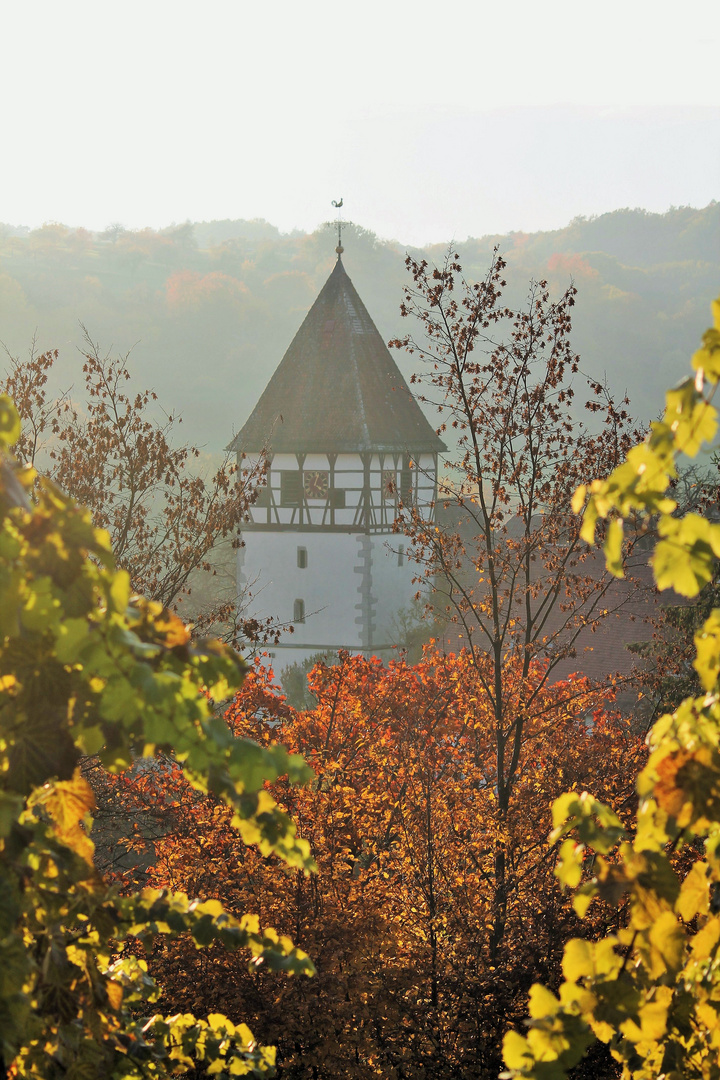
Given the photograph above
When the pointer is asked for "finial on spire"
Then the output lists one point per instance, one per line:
(339, 249)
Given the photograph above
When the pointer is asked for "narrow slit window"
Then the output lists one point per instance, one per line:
(302, 557)
(299, 611)
(401, 555)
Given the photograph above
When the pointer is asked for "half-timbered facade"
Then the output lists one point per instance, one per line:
(344, 438)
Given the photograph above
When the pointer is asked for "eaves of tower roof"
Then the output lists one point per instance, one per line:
(337, 389)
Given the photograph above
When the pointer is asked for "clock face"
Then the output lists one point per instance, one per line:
(317, 485)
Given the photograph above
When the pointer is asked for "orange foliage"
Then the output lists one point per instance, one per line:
(403, 818)
(188, 289)
(570, 264)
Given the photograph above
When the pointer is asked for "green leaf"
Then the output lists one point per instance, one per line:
(71, 635)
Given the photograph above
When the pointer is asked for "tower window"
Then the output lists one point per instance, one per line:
(302, 557)
(401, 555)
(337, 498)
(299, 611)
(290, 487)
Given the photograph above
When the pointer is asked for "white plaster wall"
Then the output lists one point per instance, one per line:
(331, 586)
(391, 585)
(267, 565)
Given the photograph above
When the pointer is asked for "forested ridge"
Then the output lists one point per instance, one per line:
(209, 308)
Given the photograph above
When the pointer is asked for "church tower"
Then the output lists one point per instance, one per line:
(344, 435)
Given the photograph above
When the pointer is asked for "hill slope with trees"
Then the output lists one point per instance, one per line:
(209, 308)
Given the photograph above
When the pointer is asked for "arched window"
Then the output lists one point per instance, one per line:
(299, 611)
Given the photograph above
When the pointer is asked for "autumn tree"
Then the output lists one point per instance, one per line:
(401, 819)
(502, 552)
(86, 669)
(115, 452)
(650, 991)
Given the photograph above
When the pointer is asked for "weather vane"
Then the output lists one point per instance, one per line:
(339, 224)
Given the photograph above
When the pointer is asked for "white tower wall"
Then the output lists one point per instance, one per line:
(352, 586)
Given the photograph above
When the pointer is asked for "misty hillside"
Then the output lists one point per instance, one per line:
(209, 308)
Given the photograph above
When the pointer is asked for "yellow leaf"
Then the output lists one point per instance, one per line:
(120, 591)
(694, 895)
(578, 499)
(707, 1015)
(250, 923)
(244, 1033)
(707, 359)
(690, 418)
(210, 907)
(220, 1023)
(172, 629)
(8, 684)
(516, 1051)
(577, 959)
(668, 940)
(707, 643)
(115, 994)
(68, 802)
(684, 560)
(704, 942)
(653, 1015)
(542, 1002)
(613, 548)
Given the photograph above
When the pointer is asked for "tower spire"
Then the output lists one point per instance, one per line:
(338, 205)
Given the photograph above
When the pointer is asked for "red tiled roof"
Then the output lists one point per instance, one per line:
(337, 389)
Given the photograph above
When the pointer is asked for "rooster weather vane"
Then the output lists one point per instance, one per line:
(339, 225)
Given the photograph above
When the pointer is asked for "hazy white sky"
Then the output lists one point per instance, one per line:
(431, 120)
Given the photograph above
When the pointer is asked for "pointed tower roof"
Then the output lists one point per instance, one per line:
(337, 389)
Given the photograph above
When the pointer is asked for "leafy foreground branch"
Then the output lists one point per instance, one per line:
(652, 990)
(87, 669)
